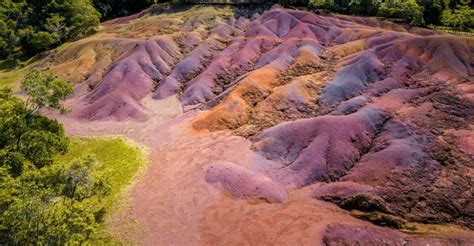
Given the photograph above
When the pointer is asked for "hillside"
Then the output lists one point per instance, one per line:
(281, 126)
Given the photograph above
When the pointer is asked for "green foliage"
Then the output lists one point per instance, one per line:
(453, 13)
(65, 202)
(39, 207)
(110, 8)
(364, 7)
(431, 10)
(28, 137)
(44, 90)
(407, 10)
(32, 26)
(117, 160)
(82, 19)
(340, 6)
(43, 201)
(79, 184)
(48, 195)
(461, 18)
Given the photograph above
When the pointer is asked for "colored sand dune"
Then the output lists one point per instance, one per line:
(255, 117)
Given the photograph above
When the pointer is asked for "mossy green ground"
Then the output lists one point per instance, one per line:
(118, 159)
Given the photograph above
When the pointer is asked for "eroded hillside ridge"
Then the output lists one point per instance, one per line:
(379, 115)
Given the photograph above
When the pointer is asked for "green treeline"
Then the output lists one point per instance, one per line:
(458, 14)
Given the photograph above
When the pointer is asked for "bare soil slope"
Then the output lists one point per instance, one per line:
(279, 126)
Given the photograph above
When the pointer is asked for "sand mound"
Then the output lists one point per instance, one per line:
(322, 148)
(243, 183)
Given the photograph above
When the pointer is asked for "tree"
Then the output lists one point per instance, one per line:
(364, 7)
(28, 27)
(82, 18)
(111, 8)
(27, 136)
(39, 208)
(43, 202)
(10, 13)
(79, 184)
(431, 10)
(461, 18)
(45, 91)
(34, 41)
(407, 10)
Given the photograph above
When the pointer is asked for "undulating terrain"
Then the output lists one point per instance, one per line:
(271, 126)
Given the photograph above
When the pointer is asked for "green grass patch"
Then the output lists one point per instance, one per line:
(8, 79)
(9, 76)
(13, 70)
(118, 159)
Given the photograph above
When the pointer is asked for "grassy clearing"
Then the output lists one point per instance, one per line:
(12, 70)
(9, 73)
(7, 79)
(118, 159)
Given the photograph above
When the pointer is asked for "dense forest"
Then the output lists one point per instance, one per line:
(28, 27)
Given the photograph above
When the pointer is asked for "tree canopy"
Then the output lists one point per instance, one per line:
(457, 14)
(111, 8)
(42, 201)
(31, 26)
